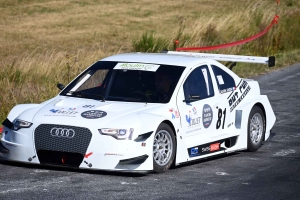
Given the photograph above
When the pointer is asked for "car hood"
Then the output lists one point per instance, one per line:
(79, 112)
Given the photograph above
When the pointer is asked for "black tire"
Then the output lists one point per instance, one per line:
(163, 155)
(256, 129)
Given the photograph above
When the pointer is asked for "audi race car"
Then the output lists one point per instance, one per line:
(143, 111)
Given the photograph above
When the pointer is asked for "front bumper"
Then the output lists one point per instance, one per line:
(103, 152)
(3, 150)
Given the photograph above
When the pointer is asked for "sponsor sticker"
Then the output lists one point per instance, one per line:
(192, 118)
(93, 114)
(113, 154)
(10, 145)
(88, 106)
(207, 148)
(61, 111)
(68, 112)
(227, 90)
(238, 96)
(193, 130)
(220, 80)
(175, 113)
(214, 147)
(88, 155)
(194, 152)
(137, 66)
(229, 125)
(207, 116)
(194, 110)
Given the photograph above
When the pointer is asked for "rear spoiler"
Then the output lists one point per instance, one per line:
(270, 61)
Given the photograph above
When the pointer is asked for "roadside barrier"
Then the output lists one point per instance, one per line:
(274, 21)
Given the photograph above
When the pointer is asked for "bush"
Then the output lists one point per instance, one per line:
(150, 43)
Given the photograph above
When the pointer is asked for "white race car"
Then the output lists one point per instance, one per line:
(143, 111)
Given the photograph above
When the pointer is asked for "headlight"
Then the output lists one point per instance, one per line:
(119, 134)
(18, 124)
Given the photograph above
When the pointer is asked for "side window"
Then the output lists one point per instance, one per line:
(224, 80)
(198, 85)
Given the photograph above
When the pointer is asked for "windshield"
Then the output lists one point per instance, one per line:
(129, 82)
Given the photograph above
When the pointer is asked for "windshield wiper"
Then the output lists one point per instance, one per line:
(84, 94)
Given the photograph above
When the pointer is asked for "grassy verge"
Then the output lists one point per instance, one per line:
(48, 41)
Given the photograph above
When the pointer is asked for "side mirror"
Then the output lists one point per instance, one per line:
(60, 86)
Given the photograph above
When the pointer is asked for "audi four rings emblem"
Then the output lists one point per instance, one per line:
(62, 132)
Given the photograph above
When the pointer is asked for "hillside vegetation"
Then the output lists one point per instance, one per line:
(44, 42)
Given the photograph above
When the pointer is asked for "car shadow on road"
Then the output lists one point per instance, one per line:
(110, 173)
(204, 160)
(117, 173)
(69, 169)
(272, 134)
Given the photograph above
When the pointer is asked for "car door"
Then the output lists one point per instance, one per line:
(203, 112)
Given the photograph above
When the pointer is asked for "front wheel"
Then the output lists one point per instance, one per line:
(164, 147)
(256, 128)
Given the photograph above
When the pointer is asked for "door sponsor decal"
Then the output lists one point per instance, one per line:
(192, 118)
(239, 95)
(93, 114)
(207, 116)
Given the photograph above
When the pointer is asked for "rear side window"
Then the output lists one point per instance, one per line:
(225, 82)
(198, 84)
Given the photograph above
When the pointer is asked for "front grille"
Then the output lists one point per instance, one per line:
(48, 140)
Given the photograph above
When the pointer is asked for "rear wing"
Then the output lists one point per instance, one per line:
(270, 61)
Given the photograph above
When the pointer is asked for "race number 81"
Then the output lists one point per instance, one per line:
(220, 114)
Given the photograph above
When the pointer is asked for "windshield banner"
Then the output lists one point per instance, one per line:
(137, 66)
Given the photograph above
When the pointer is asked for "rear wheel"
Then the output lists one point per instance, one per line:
(256, 128)
(164, 147)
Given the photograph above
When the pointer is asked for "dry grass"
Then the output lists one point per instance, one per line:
(41, 40)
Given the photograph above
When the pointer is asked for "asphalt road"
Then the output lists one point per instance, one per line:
(273, 172)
